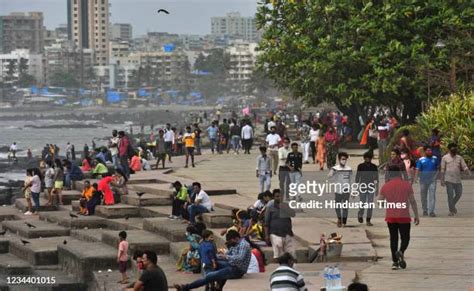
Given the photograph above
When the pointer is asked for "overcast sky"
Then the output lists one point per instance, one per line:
(187, 16)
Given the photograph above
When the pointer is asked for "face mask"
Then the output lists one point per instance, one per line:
(342, 162)
(403, 156)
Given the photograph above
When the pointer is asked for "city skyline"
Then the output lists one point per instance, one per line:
(142, 14)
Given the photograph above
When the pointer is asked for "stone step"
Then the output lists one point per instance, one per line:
(362, 252)
(135, 181)
(132, 223)
(88, 235)
(81, 258)
(117, 211)
(146, 199)
(154, 189)
(64, 281)
(70, 195)
(138, 240)
(218, 218)
(62, 218)
(155, 211)
(173, 230)
(40, 251)
(21, 204)
(9, 213)
(75, 205)
(4, 245)
(13, 265)
(42, 229)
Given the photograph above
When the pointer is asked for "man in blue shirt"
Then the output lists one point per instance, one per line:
(212, 135)
(427, 169)
(232, 265)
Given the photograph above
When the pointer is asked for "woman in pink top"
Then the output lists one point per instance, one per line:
(86, 165)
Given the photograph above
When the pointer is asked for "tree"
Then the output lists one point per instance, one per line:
(11, 70)
(259, 83)
(217, 64)
(63, 78)
(26, 80)
(361, 54)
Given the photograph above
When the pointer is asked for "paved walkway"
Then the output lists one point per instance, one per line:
(440, 255)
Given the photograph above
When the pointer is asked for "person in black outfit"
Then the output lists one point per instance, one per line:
(367, 174)
(294, 161)
(153, 278)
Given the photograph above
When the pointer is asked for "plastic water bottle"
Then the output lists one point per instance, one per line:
(330, 278)
(337, 279)
(326, 276)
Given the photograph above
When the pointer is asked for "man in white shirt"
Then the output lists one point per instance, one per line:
(313, 138)
(169, 141)
(283, 174)
(68, 150)
(13, 150)
(113, 147)
(273, 140)
(341, 176)
(247, 137)
(202, 203)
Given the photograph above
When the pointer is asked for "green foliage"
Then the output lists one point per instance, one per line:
(419, 136)
(63, 78)
(453, 117)
(26, 80)
(359, 53)
(218, 64)
(11, 70)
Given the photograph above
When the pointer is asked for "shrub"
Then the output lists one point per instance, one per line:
(453, 117)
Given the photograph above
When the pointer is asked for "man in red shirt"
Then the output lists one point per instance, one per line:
(398, 195)
(123, 145)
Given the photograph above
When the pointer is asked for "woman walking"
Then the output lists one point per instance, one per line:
(321, 150)
(331, 144)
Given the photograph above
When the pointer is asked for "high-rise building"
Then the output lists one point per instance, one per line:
(21, 31)
(121, 31)
(11, 62)
(235, 26)
(88, 27)
(243, 56)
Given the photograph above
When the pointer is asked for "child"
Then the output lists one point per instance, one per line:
(122, 256)
(208, 253)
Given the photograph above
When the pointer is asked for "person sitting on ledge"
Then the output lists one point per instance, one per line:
(100, 169)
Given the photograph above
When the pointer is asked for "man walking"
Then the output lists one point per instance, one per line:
(235, 131)
(383, 129)
(247, 137)
(224, 136)
(367, 174)
(123, 145)
(278, 227)
(212, 135)
(197, 135)
(283, 171)
(294, 162)
(341, 175)
(305, 141)
(452, 165)
(273, 140)
(396, 190)
(427, 170)
(169, 141)
(160, 149)
(264, 170)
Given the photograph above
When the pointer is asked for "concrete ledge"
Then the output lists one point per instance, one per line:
(41, 251)
(162, 189)
(172, 230)
(12, 265)
(219, 218)
(88, 235)
(4, 245)
(351, 253)
(9, 213)
(155, 211)
(139, 240)
(117, 211)
(133, 223)
(146, 199)
(23, 205)
(62, 218)
(82, 258)
(70, 195)
(43, 229)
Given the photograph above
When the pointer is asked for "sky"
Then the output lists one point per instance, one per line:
(186, 16)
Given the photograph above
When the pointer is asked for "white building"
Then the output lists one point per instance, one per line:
(235, 26)
(121, 31)
(34, 63)
(243, 56)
